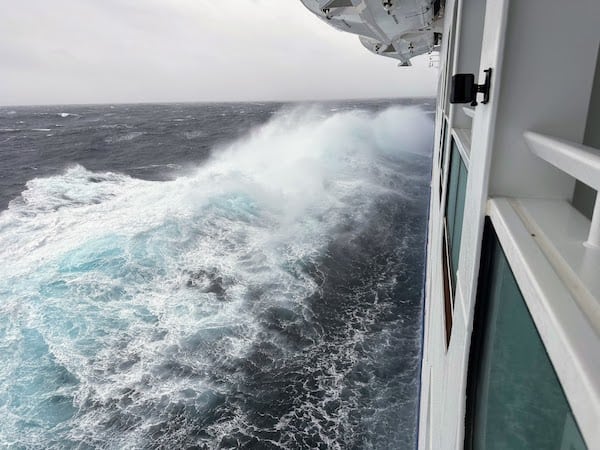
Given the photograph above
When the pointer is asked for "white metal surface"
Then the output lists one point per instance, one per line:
(469, 111)
(462, 137)
(548, 71)
(593, 240)
(579, 161)
(560, 231)
(397, 29)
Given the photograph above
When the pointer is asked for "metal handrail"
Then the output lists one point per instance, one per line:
(579, 161)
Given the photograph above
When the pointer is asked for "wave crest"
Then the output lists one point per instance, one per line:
(141, 302)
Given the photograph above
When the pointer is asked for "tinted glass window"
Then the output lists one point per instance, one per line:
(519, 402)
(455, 204)
(461, 192)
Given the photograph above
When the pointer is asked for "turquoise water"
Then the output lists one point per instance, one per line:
(266, 296)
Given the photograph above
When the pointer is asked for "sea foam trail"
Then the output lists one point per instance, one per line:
(130, 310)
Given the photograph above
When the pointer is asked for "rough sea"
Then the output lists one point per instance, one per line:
(213, 275)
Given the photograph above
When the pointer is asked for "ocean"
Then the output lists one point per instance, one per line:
(213, 275)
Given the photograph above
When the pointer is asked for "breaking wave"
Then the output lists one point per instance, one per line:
(140, 313)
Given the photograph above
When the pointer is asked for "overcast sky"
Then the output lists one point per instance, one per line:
(105, 51)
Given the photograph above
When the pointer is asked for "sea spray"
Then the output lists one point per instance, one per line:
(268, 297)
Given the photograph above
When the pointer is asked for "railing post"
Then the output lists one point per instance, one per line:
(594, 236)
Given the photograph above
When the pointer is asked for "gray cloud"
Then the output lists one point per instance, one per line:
(89, 51)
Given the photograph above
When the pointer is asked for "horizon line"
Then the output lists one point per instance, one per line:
(172, 102)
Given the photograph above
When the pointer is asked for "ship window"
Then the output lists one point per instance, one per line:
(448, 297)
(453, 220)
(455, 204)
(443, 145)
(514, 397)
(468, 52)
(442, 155)
(449, 60)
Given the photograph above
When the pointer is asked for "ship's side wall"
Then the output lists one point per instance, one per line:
(543, 57)
(446, 367)
(434, 347)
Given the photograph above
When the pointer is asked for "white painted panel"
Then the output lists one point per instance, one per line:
(546, 84)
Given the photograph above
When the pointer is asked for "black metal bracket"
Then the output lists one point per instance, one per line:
(464, 89)
(485, 87)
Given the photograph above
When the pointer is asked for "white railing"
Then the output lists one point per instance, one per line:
(579, 161)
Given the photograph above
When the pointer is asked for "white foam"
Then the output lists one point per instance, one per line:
(124, 137)
(193, 134)
(98, 264)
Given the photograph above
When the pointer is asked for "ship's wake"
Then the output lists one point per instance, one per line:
(269, 298)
